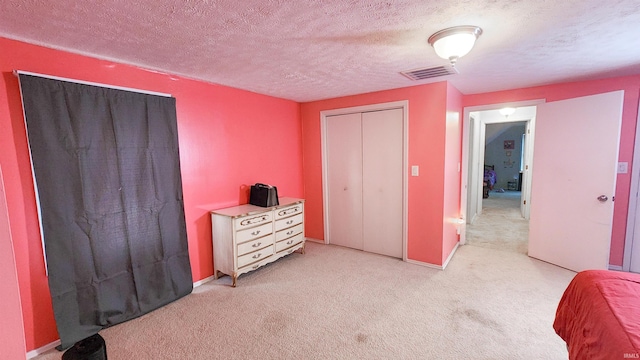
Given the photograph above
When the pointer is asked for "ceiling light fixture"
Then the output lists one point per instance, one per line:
(507, 111)
(454, 42)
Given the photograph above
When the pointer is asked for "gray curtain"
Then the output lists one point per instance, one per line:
(107, 170)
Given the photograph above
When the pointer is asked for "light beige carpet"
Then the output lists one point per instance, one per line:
(501, 225)
(339, 303)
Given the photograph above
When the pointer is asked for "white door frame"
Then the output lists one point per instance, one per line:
(525, 198)
(529, 140)
(631, 239)
(472, 190)
(469, 159)
(404, 105)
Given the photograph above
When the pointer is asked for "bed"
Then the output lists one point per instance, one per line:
(599, 315)
(489, 180)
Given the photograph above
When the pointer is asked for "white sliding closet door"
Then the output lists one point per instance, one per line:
(382, 136)
(344, 176)
(365, 181)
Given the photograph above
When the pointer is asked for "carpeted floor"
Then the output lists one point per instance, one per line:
(339, 303)
(500, 226)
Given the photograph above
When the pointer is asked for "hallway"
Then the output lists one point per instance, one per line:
(500, 226)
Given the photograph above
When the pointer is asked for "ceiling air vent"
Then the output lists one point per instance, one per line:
(428, 73)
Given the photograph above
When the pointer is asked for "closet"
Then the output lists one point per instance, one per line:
(364, 174)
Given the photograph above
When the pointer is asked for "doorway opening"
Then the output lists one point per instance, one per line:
(576, 233)
(498, 160)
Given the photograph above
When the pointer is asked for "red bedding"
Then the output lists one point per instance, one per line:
(599, 315)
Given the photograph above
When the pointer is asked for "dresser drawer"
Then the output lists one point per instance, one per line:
(254, 233)
(288, 211)
(253, 220)
(285, 244)
(258, 255)
(288, 222)
(287, 233)
(256, 265)
(254, 245)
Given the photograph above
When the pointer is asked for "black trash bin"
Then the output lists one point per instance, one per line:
(91, 348)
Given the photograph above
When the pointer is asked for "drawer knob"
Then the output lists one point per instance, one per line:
(289, 232)
(255, 267)
(257, 255)
(289, 242)
(289, 222)
(255, 232)
(256, 245)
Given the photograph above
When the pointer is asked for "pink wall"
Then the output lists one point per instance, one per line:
(631, 86)
(12, 329)
(427, 128)
(452, 179)
(222, 133)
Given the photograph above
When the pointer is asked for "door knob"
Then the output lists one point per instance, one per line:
(603, 198)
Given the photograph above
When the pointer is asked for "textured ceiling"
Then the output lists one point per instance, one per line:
(316, 49)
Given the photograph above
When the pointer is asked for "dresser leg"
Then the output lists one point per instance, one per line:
(302, 249)
(235, 278)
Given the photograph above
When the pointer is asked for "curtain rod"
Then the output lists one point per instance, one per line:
(18, 72)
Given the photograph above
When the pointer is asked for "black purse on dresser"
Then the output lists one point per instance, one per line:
(263, 195)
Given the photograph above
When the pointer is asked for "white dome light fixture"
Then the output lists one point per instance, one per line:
(454, 42)
(506, 111)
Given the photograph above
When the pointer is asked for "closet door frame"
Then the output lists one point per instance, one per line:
(404, 105)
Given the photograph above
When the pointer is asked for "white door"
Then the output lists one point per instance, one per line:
(573, 182)
(382, 138)
(344, 178)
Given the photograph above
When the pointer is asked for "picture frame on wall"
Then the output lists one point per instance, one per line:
(509, 144)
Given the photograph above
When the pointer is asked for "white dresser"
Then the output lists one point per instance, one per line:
(246, 237)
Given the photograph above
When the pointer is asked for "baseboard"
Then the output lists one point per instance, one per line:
(615, 267)
(433, 266)
(425, 264)
(446, 262)
(203, 281)
(314, 240)
(43, 349)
